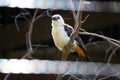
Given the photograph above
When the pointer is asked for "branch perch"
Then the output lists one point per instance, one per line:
(112, 41)
(78, 24)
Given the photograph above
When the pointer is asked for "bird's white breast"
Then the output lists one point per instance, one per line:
(60, 37)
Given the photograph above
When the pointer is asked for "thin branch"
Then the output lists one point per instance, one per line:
(39, 45)
(78, 24)
(85, 19)
(108, 62)
(110, 40)
(107, 51)
(6, 76)
(107, 65)
(76, 78)
(28, 36)
(104, 78)
(22, 15)
(113, 52)
(83, 30)
(24, 56)
(41, 15)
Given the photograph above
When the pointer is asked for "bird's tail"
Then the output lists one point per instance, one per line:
(80, 51)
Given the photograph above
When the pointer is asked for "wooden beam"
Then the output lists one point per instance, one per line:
(93, 6)
(25, 66)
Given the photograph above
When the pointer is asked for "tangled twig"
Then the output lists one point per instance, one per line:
(28, 34)
(110, 40)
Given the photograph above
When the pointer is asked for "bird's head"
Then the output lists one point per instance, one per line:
(57, 20)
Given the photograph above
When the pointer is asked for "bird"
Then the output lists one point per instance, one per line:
(61, 33)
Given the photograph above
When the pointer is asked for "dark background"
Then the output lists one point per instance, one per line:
(13, 42)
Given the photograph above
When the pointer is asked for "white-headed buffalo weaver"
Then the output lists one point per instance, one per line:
(61, 35)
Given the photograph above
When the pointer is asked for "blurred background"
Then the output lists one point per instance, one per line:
(13, 42)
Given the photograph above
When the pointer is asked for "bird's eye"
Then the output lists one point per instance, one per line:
(58, 17)
(55, 18)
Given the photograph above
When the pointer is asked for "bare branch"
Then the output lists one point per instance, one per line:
(85, 18)
(113, 52)
(117, 74)
(78, 24)
(112, 41)
(107, 65)
(41, 15)
(22, 15)
(6, 77)
(28, 35)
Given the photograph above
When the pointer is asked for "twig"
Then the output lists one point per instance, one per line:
(6, 76)
(112, 54)
(76, 78)
(28, 35)
(16, 17)
(39, 45)
(107, 51)
(104, 78)
(110, 40)
(83, 30)
(78, 24)
(22, 15)
(107, 65)
(41, 15)
(85, 19)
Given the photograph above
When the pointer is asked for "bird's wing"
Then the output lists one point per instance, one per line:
(69, 30)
